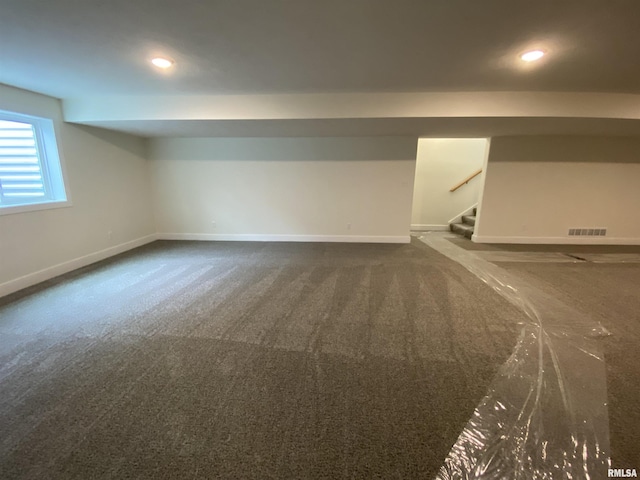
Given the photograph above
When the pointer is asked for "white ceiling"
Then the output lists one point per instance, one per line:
(79, 49)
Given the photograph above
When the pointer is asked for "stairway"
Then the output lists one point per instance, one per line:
(466, 227)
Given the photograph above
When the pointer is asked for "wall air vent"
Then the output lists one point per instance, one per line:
(587, 232)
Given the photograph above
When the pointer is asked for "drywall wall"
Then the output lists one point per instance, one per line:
(537, 188)
(107, 181)
(441, 164)
(307, 189)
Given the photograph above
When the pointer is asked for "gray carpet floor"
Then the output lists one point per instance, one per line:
(607, 285)
(610, 292)
(233, 360)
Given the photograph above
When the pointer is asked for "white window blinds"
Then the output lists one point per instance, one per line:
(30, 171)
(21, 176)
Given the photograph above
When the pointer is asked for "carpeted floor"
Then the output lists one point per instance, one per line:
(466, 244)
(610, 292)
(603, 280)
(233, 360)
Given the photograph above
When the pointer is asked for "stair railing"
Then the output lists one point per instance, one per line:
(465, 181)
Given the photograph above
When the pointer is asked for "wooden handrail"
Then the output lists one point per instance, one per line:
(466, 180)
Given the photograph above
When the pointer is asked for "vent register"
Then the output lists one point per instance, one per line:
(587, 232)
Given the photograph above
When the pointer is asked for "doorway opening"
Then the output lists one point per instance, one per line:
(448, 183)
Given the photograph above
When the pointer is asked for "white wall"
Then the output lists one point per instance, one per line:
(328, 189)
(108, 185)
(441, 164)
(538, 187)
(378, 105)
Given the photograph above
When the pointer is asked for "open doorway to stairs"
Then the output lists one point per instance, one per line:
(448, 184)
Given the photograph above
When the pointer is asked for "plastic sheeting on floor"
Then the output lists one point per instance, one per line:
(545, 415)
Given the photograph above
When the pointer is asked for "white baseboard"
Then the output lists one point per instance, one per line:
(284, 238)
(420, 227)
(50, 272)
(557, 240)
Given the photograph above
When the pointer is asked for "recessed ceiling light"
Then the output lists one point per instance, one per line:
(162, 62)
(532, 56)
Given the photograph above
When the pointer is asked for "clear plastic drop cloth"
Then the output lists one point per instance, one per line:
(545, 414)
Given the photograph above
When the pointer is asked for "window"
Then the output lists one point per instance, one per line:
(30, 171)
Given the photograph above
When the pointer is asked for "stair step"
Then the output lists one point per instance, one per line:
(462, 229)
(469, 219)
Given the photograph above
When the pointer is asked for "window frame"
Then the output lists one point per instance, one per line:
(51, 164)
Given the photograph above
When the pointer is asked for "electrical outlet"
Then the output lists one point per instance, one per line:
(213, 224)
(348, 226)
(109, 235)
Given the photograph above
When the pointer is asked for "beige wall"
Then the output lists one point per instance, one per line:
(108, 185)
(333, 189)
(328, 189)
(441, 164)
(538, 187)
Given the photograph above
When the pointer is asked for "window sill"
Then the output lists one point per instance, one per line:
(9, 210)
